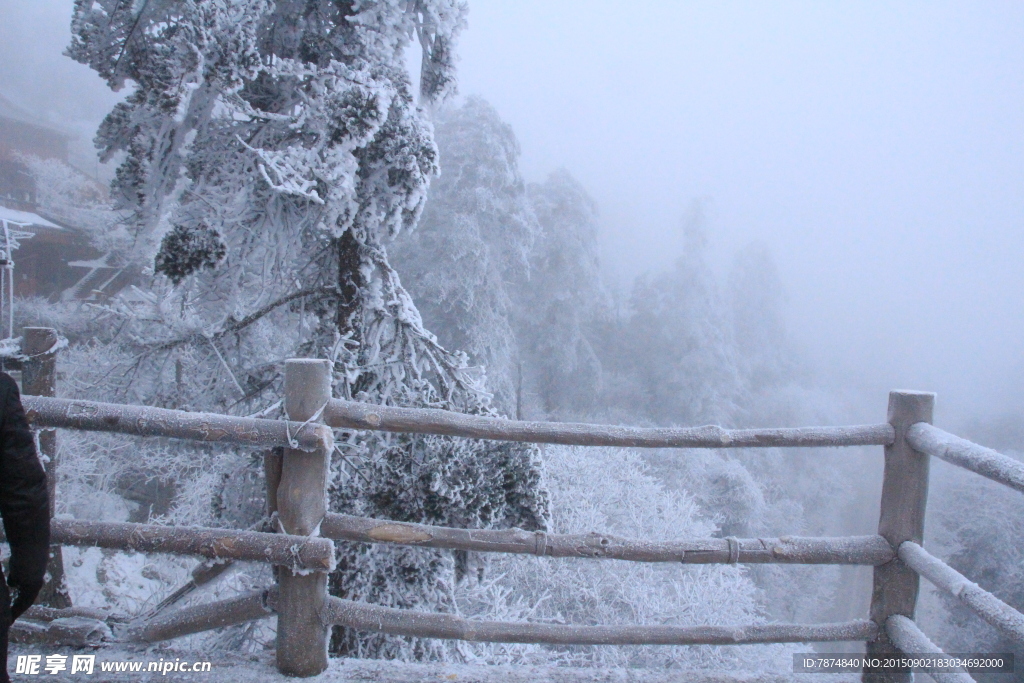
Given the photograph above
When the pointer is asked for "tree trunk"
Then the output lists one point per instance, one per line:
(350, 282)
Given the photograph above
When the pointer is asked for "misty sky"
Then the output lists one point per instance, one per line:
(877, 148)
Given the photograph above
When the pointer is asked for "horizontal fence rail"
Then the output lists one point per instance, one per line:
(205, 617)
(980, 601)
(300, 552)
(313, 556)
(863, 550)
(364, 617)
(925, 438)
(73, 631)
(94, 416)
(42, 613)
(905, 634)
(352, 415)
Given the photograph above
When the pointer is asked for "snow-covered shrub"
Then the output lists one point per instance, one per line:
(613, 491)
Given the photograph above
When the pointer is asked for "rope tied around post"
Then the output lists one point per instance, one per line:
(540, 540)
(292, 443)
(734, 549)
(59, 344)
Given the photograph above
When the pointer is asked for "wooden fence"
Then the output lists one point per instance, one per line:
(302, 547)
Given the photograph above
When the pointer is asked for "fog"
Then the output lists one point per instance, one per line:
(878, 150)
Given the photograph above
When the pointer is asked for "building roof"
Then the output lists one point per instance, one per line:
(10, 110)
(26, 218)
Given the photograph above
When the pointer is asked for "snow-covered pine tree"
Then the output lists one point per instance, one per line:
(467, 262)
(756, 297)
(676, 360)
(271, 150)
(557, 309)
(505, 270)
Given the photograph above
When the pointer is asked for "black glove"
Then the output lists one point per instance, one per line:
(26, 573)
(22, 598)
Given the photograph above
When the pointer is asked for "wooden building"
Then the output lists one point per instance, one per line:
(57, 261)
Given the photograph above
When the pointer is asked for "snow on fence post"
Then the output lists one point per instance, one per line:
(302, 637)
(39, 378)
(904, 496)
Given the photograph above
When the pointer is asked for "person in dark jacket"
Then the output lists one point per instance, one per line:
(25, 507)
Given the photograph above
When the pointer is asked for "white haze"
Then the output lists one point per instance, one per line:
(877, 148)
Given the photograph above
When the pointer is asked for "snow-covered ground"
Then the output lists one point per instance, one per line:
(238, 668)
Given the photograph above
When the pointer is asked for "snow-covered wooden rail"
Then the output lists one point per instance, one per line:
(984, 461)
(361, 616)
(906, 635)
(261, 604)
(300, 552)
(980, 601)
(352, 415)
(297, 480)
(862, 550)
(94, 416)
(364, 617)
(205, 617)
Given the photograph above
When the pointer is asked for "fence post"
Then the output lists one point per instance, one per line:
(39, 378)
(302, 637)
(272, 475)
(904, 497)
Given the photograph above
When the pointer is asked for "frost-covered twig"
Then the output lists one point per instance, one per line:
(232, 326)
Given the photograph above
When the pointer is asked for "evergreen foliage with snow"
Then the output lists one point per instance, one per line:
(557, 309)
(679, 357)
(506, 270)
(271, 151)
(471, 251)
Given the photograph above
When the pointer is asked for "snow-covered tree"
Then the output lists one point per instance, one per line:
(469, 259)
(675, 361)
(557, 309)
(505, 270)
(629, 499)
(756, 303)
(271, 151)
